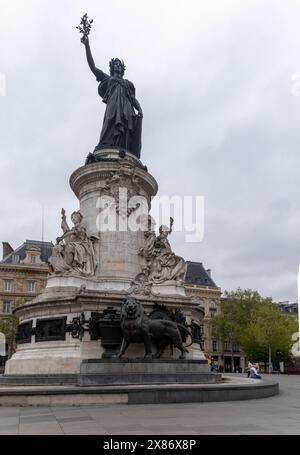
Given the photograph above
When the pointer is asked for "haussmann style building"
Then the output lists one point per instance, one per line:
(200, 285)
(23, 274)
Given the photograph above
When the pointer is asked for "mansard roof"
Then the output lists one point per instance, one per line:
(196, 274)
(44, 247)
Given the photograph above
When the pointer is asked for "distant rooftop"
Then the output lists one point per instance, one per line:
(287, 307)
(196, 274)
(11, 256)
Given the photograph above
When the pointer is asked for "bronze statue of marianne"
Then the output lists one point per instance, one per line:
(122, 125)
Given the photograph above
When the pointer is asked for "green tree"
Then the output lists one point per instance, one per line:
(256, 324)
(9, 327)
(269, 332)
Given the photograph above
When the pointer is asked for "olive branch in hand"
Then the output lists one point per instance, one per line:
(85, 26)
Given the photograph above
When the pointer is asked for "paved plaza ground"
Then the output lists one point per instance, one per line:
(275, 415)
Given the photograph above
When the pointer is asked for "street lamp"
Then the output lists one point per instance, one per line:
(268, 331)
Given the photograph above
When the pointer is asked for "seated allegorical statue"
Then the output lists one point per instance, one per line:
(161, 263)
(74, 250)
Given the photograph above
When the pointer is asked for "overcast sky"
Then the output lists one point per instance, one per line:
(214, 79)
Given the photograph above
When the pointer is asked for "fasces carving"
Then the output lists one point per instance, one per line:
(161, 264)
(74, 250)
(77, 327)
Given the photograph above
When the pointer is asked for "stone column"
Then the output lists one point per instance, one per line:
(120, 180)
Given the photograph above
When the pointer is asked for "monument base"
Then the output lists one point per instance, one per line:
(145, 371)
(47, 343)
(229, 389)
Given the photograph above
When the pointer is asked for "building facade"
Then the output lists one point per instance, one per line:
(200, 285)
(23, 273)
(287, 307)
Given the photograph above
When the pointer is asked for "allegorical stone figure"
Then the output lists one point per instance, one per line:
(161, 263)
(122, 125)
(74, 250)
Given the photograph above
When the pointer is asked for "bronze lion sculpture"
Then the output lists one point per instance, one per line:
(137, 327)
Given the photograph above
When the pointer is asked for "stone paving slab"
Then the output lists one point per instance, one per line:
(37, 418)
(44, 428)
(275, 415)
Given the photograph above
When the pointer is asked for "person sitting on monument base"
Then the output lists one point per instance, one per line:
(254, 374)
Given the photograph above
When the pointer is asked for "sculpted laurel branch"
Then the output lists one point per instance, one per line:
(85, 25)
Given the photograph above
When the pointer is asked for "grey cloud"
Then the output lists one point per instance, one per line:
(214, 80)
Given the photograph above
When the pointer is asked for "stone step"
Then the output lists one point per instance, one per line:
(38, 379)
(148, 378)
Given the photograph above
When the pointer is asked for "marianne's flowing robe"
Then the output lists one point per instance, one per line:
(121, 126)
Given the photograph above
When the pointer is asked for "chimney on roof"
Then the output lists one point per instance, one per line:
(7, 249)
(208, 271)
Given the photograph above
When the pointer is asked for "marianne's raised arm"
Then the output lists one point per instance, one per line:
(97, 72)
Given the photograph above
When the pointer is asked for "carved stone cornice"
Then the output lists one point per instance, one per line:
(86, 300)
(88, 178)
(24, 268)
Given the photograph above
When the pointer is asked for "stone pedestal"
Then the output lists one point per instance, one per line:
(196, 353)
(55, 335)
(119, 180)
(65, 355)
(139, 371)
